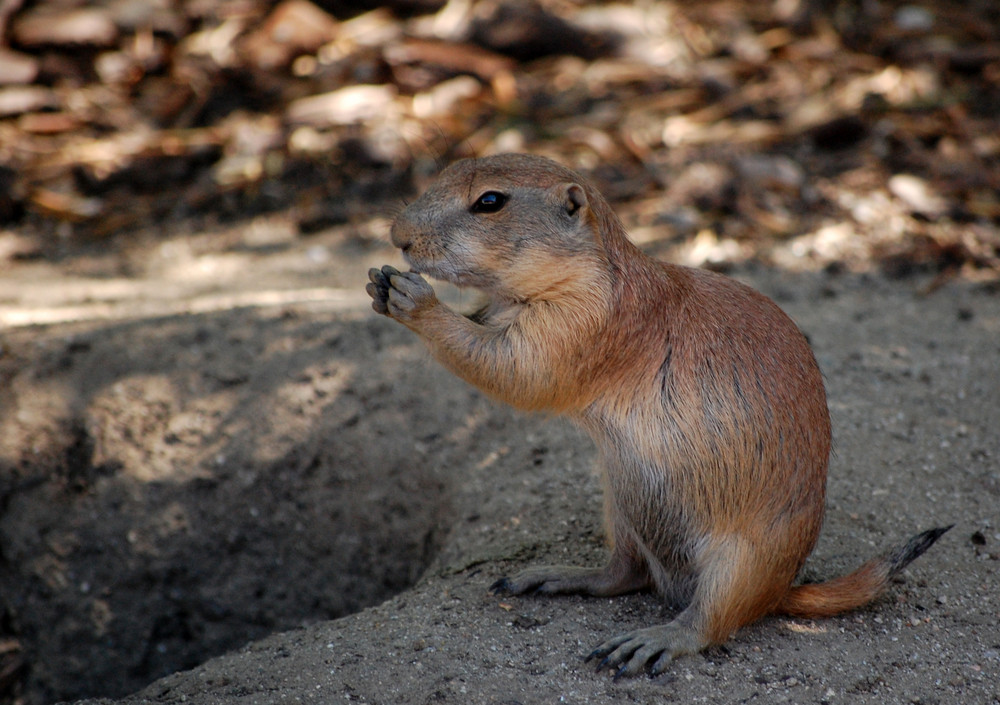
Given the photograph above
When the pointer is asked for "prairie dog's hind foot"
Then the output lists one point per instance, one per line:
(549, 580)
(564, 580)
(632, 651)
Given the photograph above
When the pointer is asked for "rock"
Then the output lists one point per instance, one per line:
(65, 206)
(65, 27)
(917, 194)
(114, 67)
(709, 186)
(159, 16)
(372, 30)
(775, 172)
(911, 18)
(526, 31)
(16, 68)
(645, 32)
(347, 106)
(49, 123)
(166, 99)
(449, 57)
(17, 100)
(445, 97)
(293, 28)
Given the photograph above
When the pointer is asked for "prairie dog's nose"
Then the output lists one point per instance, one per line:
(402, 233)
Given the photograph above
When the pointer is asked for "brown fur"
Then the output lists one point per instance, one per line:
(703, 398)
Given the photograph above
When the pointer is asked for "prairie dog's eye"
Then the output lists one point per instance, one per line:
(489, 202)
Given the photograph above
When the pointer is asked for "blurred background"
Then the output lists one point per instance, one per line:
(801, 133)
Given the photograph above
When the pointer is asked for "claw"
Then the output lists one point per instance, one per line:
(378, 289)
(500, 586)
(657, 646)
(608, 649)
(659, 666)
(376, 277)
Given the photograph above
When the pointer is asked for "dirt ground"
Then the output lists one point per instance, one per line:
(179, 486)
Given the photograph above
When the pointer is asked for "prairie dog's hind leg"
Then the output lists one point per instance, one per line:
(735, 584)
(625, 572)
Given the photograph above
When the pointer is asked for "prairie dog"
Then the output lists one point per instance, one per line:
(703, 398)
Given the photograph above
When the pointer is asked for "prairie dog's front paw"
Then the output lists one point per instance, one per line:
(378, 289)
(400, 295)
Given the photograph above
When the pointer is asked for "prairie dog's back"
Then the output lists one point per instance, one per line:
(722, 407)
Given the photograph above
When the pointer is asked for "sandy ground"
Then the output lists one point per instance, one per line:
(180, 484)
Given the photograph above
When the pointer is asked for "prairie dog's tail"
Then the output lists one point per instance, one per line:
(858, 588)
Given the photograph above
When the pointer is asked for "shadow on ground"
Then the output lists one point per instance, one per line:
(172, 489)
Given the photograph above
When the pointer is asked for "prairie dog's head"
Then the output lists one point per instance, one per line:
(512, 224)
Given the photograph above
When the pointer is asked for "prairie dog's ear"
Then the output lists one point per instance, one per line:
(575, 198)
(570, 197)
